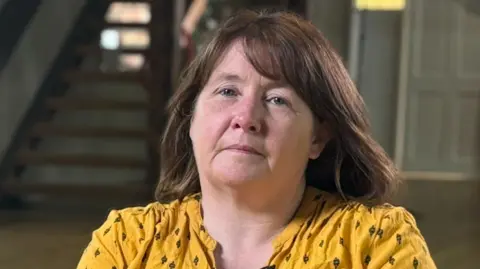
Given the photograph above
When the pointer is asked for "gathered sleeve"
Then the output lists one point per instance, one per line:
(107, 248)
(123, 239)
(393, 240)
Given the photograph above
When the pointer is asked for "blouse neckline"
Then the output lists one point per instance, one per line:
(305, 211)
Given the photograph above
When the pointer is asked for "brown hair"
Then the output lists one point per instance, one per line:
(283, 46)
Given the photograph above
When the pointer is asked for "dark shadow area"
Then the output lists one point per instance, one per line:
(15, 15)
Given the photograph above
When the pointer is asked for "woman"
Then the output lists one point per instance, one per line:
(267, 162)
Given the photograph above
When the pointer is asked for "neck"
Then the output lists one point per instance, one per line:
(248, 216)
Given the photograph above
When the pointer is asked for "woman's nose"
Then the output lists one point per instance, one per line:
(247, 124)
(248, 117)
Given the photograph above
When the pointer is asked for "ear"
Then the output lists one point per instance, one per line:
(321, 136)
(190, 129)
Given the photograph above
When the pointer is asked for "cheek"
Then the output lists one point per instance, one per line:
(291, 135)
(207, 126)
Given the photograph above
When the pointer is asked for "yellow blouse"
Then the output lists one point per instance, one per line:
(326, 232)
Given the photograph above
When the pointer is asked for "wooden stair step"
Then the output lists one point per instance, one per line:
(76, 76)
(69, 103)
(75, 191)
(48, 129)
(27, 157)
(102, 24)
(96, 50)
(117, 25)
(129, 1)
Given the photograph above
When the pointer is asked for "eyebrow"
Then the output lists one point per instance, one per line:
(226, 76)
(276, 84)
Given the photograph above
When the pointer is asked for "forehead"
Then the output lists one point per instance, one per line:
(237, 64)
(233, 59)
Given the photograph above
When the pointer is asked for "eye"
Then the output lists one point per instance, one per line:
(227, 92)
(277, 101)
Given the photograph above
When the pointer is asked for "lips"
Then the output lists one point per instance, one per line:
(243, 149)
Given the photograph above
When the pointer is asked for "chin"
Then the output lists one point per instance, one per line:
(238, 174)
(237, 178)
(234, 169)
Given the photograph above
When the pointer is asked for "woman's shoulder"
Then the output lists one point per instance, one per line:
(376, 213)
(342, 210)
(374, 235)
(146, 219)
(134, 217)
(143, 213)
(380, 221)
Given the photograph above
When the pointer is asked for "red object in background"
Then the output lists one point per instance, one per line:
(190, 45)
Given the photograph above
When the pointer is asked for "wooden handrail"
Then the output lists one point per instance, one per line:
(189, 25)
(157, 79)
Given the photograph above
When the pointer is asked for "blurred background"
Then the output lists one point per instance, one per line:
(83, 84)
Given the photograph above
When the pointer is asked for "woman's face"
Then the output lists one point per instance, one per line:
(247, 127)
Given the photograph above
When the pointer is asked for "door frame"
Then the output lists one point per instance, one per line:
(402, 106)
(402, 92)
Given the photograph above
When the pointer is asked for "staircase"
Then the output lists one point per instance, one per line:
(92, 132)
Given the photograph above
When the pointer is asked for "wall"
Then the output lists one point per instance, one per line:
(379, 59)
(378, 84)
(332, 18)
(31, 60)
(2, 2)
(378, 74)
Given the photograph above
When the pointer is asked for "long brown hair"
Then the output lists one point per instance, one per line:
(283, 46)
